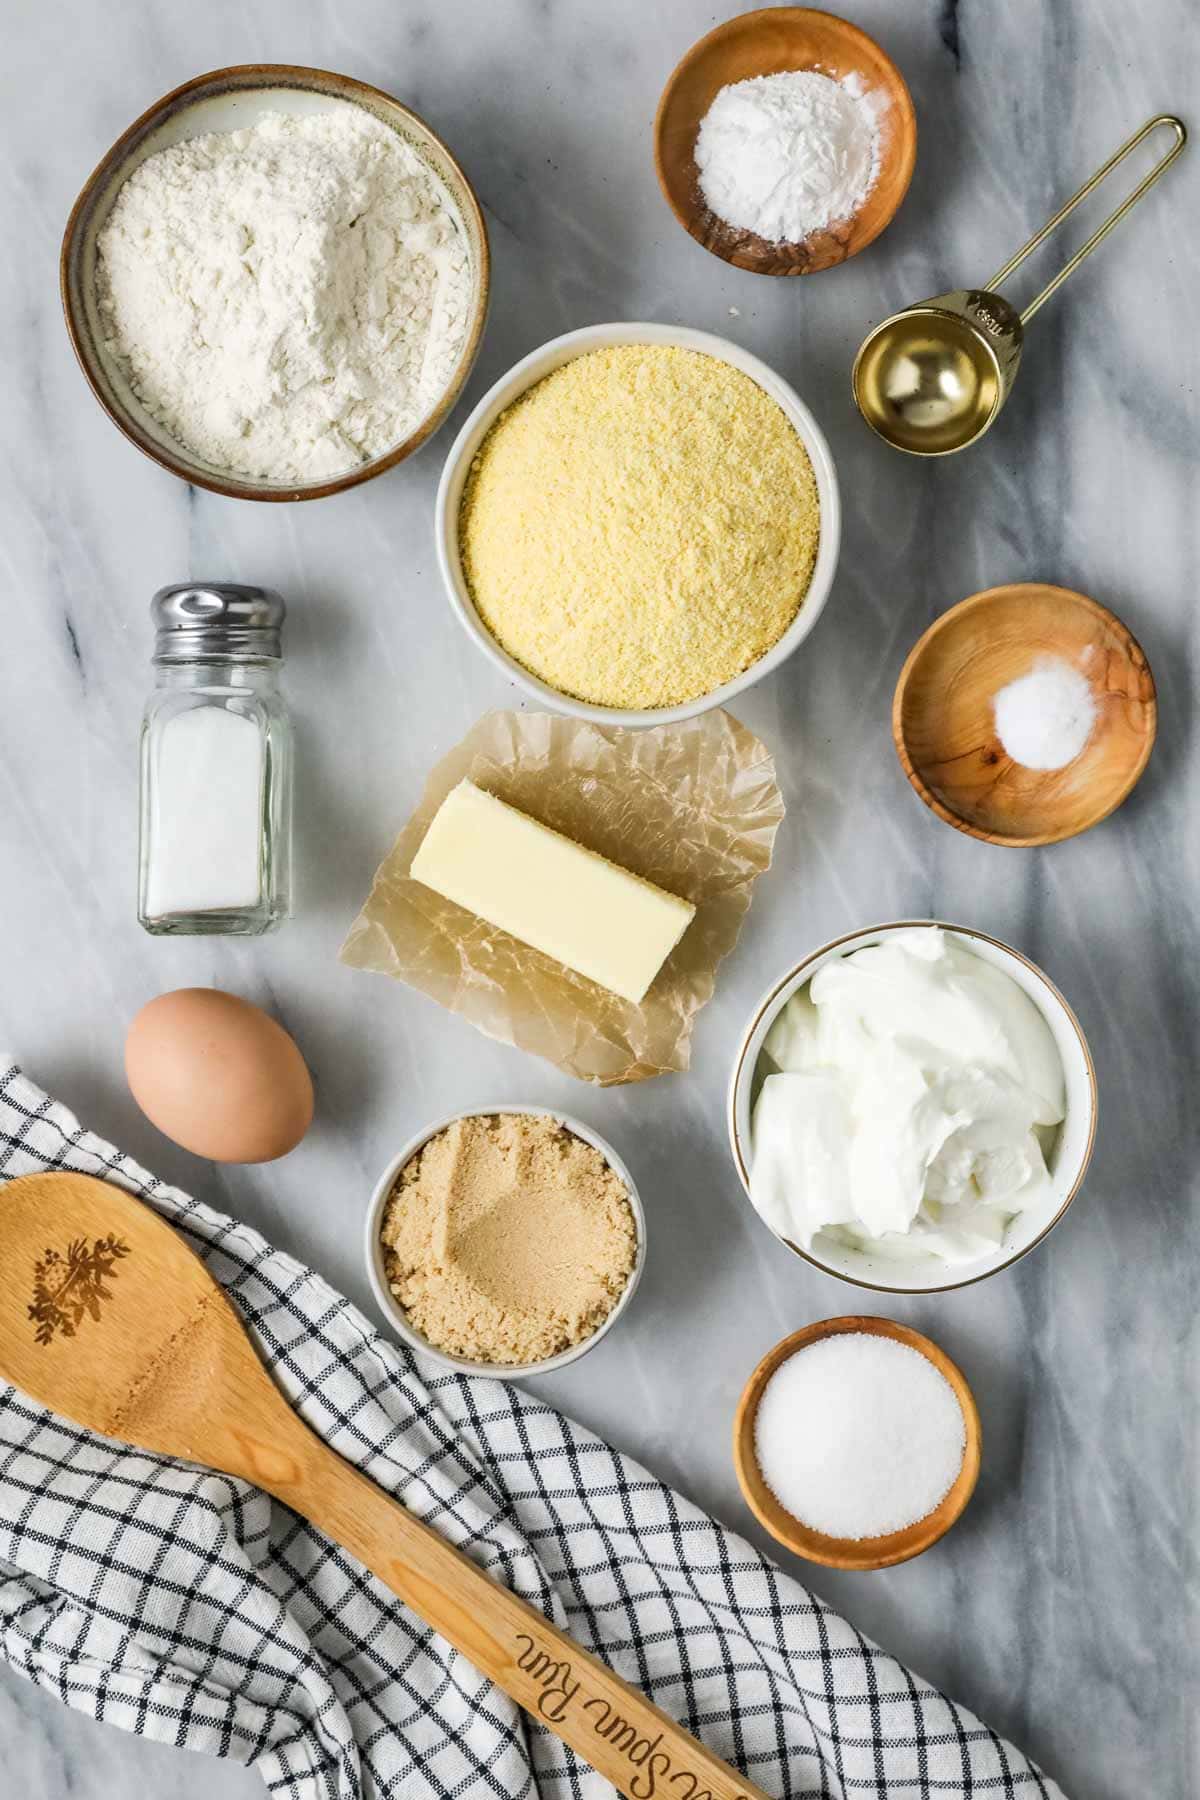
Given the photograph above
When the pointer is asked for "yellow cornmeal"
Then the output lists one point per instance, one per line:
(507, 1238)
(640, 526)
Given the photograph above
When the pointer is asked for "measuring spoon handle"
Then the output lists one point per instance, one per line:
(1177, 127)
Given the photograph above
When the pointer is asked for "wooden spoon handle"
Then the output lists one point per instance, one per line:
(616, 1729)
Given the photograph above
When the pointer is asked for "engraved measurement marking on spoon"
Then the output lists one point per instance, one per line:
(986, 317)
(70, 1286)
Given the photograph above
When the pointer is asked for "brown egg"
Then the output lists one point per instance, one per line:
(218, 1076)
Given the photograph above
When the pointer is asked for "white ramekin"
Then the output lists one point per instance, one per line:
(543, 362)
(1068, 1160)
(395, 1314)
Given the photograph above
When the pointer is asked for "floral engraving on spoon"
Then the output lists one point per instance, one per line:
(67, 1288)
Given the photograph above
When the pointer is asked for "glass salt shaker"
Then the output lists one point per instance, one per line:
(216, 765)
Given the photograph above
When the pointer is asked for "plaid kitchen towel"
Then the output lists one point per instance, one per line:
(190, 1607)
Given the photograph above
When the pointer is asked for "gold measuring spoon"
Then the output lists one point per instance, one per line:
(108, 1318)
(931, 379)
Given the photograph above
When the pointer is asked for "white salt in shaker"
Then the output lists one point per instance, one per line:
(216, 765)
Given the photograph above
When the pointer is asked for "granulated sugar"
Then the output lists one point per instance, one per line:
(858, 1435)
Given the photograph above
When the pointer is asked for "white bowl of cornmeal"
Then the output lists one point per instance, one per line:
(637, 522)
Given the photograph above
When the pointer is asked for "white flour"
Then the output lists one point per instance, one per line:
(786, 155)
(288, 300)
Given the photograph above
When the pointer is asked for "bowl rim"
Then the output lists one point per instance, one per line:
(863, 936)
(980, 602)
(394, 1313)
(772, 14)
(892, 1547)
(247, 77)
(524, 374)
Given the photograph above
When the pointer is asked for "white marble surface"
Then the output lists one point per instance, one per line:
(1063, 1607)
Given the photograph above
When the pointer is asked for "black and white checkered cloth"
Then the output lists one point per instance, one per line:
(190, 1607)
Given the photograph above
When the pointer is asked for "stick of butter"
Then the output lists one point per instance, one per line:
(541, 887)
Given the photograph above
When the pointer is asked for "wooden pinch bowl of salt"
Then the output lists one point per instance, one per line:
(951, 736)
(773, 41)
(880, 1552)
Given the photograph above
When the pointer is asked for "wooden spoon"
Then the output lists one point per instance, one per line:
(107, 1318)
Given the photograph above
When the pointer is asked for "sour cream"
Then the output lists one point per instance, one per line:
(913, 1094)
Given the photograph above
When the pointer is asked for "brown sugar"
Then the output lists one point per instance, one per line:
(508, 1239)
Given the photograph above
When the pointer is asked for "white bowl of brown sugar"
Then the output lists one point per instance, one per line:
(505, 1240)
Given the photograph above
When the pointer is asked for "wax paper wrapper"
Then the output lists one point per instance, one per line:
(692, 807)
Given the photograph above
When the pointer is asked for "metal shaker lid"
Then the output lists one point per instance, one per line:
(197, 621)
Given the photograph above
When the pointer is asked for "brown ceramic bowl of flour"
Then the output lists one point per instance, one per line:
(515, 1234)
(236, 100)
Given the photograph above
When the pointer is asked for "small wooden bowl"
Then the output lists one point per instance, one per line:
(770, 42)
(945, 733)
(853, 1553)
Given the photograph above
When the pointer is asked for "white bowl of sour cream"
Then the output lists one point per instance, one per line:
(921, 1116)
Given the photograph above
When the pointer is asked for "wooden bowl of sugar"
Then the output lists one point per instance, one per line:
(1025, 715)
(775, 41)
(833, 1458)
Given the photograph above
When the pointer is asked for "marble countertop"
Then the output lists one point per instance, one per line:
(1063, 1607)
